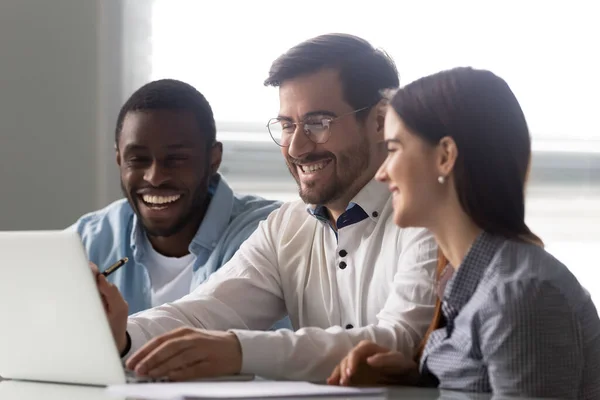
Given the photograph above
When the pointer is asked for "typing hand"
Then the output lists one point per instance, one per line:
(371, 364)
(187, 353)
(115, 306)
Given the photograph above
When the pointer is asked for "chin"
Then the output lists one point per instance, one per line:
(402, 220)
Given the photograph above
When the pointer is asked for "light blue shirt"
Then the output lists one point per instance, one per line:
(114, 232)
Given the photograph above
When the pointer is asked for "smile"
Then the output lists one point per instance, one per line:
(312, 168)
(159, 202)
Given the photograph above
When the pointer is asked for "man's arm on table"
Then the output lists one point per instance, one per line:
(312, 353)
(245, 296)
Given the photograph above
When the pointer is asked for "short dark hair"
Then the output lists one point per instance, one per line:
(364, 71)
(170, 94)
(482, 115)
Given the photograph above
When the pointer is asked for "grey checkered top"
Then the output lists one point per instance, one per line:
(518, 323)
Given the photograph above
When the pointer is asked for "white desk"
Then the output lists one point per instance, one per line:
(10, 390)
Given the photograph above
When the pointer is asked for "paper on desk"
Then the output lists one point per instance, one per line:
(233, 390)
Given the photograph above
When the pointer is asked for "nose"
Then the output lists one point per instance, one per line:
(381, 174)
(300, 144)
(156, 174)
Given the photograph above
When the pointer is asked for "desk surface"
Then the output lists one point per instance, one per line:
(10, 390)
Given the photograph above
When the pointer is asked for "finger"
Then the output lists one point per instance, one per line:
(104, 287)
(391, 363)
(344, 375)
(105, 304)
(360, 354)
(180, 358)
(94, 268)
(158, 359)
(334, 378)
(154, 345)
(103, 290)
(109, 293)
(201, 369)
(389, 359)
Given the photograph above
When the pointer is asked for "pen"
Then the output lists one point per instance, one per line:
(115, 266)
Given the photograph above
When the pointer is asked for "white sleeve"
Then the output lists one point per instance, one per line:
(312, 353)
(245, 293)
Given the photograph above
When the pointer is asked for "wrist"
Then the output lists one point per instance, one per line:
(125, 345)
(236, 351)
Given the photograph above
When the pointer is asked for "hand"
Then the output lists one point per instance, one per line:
(187, 353)
(115, 306)
(371, 364)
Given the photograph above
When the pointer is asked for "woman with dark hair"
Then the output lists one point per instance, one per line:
(511, 319)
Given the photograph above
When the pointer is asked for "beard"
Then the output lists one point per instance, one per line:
(188, 216)
(349, 166)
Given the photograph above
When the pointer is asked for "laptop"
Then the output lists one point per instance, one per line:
(53, 325)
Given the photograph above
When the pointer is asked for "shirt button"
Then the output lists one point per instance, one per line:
(343, 253)
(375, 214)
(349, 326)
(342, 265)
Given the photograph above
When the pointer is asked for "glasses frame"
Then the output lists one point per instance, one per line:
(326, 122)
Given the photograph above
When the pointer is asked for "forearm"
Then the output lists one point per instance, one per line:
(312, 353)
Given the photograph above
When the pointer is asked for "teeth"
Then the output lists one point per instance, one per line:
(313, 167)
(159, 199)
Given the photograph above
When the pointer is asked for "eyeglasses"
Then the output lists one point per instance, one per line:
(318, 130)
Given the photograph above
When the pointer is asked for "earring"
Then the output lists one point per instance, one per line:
(441, 179)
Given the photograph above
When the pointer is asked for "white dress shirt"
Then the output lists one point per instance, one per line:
(370, 280)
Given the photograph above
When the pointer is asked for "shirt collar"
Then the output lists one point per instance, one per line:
(213, 224)
(462, 284)
(371, 198)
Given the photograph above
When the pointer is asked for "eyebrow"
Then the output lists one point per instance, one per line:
(184, 145)
(134, 147)
(325, 113)
(176, 146)
(393, 140)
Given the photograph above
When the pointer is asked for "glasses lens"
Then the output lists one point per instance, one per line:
(318, 132)
(276, 131)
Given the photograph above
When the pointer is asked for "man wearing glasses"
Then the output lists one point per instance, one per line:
(334, 262)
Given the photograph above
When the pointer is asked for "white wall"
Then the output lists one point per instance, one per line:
(59, 93)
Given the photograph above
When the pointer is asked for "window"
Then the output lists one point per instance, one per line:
(543, 50)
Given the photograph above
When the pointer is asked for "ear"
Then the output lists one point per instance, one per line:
(381, 110)
(118, 155)
(216, 156)
(447, 155)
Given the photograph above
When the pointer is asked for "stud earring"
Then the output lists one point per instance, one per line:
(441, 179)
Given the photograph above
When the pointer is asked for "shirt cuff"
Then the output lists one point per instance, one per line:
(258, 357)
(127, 346)
(136, 337)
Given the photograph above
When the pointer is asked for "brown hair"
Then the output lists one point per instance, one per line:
(364, 71)
(478, 110)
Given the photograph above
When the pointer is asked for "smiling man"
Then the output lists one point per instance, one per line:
(179, 221)
(334, 261)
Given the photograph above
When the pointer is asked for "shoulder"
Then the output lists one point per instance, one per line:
(517, 265)
(292, 216)
(420, 238)
(523, 274)
(112, 217)
(250, 207)
(289, 222)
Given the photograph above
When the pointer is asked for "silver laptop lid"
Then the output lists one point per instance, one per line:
(53, 324)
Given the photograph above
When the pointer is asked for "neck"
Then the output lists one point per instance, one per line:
(455, 234)
(177, 245)
(338, 207)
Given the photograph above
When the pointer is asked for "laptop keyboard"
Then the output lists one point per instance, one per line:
(131, 377)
